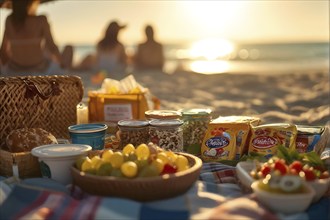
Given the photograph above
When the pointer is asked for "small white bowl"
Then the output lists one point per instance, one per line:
(285, 203)
(56, 160)
(320, 187)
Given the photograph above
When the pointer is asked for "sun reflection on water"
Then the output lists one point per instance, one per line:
(211, 55)
(209, 66)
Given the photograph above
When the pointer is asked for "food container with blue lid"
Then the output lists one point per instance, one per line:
(89, 134)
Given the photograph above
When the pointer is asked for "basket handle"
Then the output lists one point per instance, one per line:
(33, 90)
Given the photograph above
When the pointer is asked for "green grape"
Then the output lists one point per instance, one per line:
(86, 165)
(96, 162)
(105, 169)
(171, 155)
(142, 151)
(106, 155)
(128, 149)
(141, 164)
(159, 164)
(80, 161)
(129, 169)
(130, 157)
(149, 171)
(117, 159)
(162, 156)
(181, 162)
(116, 173)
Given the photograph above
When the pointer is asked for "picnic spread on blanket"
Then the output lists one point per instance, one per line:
(118, 155)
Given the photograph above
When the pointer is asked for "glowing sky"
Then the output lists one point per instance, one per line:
(83, 21)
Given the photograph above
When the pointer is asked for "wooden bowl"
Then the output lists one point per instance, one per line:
(140, 189)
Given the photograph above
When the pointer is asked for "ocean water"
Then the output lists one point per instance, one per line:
(239, 58)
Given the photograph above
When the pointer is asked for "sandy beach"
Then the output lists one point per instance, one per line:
(298, 97)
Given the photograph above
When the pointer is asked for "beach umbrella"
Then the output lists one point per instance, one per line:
(7, 3)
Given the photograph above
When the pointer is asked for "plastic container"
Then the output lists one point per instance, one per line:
(162, 114)
(194, 128)
(134, 132)
(56, 160)
(89, 134)
(167, 134)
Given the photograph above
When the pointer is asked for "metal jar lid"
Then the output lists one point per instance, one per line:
(166, 123)
(196, 111)
(162, 114)
(133, 123)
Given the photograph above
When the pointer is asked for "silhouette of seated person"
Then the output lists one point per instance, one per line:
(28, 46)
(110, 53)
(149, 54)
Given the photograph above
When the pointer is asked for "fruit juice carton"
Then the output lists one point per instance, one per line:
(226, 138)
(308, 137)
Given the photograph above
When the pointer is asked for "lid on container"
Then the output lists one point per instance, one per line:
(87, 128)
(196, 111)
(60, 150)
(305, 129)
(166, 123)
(162, 114)
(133, 123)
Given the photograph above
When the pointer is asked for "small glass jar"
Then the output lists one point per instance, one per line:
(167, 134)
(162, 114)
(134, 132)
(195, 124)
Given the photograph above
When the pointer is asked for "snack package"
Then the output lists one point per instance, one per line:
(226, 138)
(308, 137)
(266, 138)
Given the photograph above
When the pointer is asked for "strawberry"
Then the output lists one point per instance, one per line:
(281, 166)
(265, 170)
(169, 169)
(296, 165)
(309, 174)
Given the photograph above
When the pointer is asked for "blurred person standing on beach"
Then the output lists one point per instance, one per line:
(150, 53)
(28, 46)
(110, 53)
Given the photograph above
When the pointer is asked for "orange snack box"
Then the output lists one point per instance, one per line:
(227, 137)
(266, 138)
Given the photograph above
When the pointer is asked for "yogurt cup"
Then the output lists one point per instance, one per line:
(89, 134)
(56, 160)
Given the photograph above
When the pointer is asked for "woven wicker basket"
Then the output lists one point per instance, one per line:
(140, 189)
(47, 102)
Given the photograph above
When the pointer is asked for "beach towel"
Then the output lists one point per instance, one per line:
(216, 195)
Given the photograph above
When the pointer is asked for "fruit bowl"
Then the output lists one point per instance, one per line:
(142, 188)
(244, 168)
(284, 203)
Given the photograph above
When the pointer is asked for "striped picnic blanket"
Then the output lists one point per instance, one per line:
(216, 195)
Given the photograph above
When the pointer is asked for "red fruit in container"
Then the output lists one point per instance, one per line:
(281, 166)
(265, 170)
(296, 165)
(169, 169)
(309, 174)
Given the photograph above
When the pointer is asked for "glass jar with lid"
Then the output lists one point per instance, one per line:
(162, 114)
(194, 127)
(134, 132)
(167, 134)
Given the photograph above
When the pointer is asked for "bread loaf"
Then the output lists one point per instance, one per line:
(25, 139)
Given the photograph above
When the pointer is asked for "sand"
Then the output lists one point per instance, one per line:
(299, 98)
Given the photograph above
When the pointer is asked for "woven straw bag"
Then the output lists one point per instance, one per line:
(47, 102)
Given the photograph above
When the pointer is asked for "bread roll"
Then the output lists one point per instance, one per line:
(26, 139)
